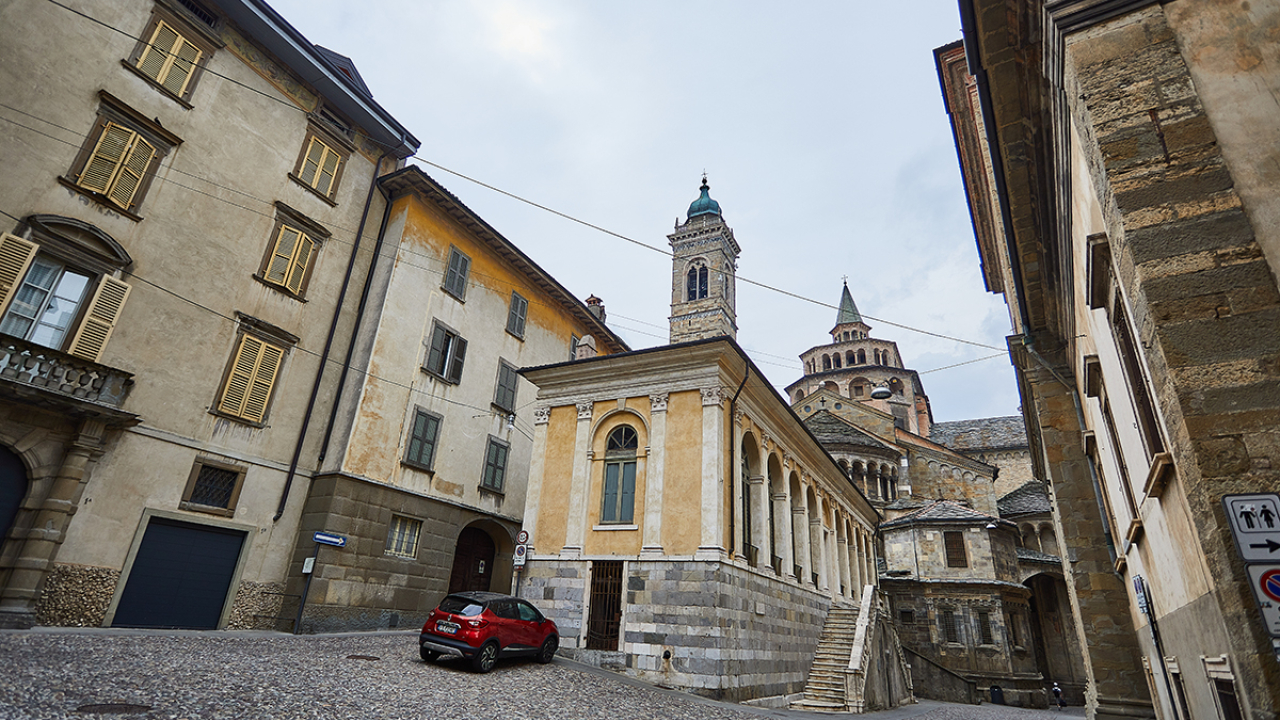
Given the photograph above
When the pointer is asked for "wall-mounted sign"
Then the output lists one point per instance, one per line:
(521, 555)
(325, 538)
(1266, 588)
(1255, 524)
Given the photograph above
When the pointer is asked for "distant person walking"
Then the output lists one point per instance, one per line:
(1058, 702)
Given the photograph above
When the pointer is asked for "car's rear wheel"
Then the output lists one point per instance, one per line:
(428, 655)
(547, 652)
(484, 660)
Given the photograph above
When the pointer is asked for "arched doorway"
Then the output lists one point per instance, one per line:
(472, 561)
(13, 488)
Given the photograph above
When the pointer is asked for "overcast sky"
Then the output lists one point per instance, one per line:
(820, 125)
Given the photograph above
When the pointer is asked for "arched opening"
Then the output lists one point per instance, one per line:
(691, 285)
(835, 361)
(799, 527)
(702, 282)
(883, 472)
(877, 356)
(829, 385)
(750, 469)
(1027, 534)
(850, 359)
(1048, 540)
(862, 357)
(859, 387)
(799, 396)
(826, 362)
(815, 537)
(472, 560)
(773, 497)
(13, 488)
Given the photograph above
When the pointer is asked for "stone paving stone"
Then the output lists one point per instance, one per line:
(247, 675)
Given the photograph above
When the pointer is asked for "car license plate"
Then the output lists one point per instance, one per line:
(447, 628)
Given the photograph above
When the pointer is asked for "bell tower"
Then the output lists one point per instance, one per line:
(704, 264)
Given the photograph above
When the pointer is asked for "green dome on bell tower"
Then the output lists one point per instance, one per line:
(704, 205)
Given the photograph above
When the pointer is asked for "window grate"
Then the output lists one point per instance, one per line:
(200, 12)
(950, 631)
(956, 556)
(606, 605)
(214, 486)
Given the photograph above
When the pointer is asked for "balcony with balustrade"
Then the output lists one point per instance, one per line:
(63, 383)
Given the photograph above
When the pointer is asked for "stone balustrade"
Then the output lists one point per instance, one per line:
(27, 364)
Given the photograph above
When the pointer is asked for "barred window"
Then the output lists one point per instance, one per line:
(950, 630)
(213, 488)
(402, 536)
(956, 556)
(984, 628)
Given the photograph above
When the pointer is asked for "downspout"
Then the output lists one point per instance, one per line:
(328, 344)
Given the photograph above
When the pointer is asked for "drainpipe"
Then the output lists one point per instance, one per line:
(328, 343)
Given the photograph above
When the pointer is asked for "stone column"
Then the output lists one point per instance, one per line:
(800, 532)
(713, 452)
(537, 470)
(842, 547)
(1113, 661)
(576, 530)
(817, 544)
(654, 477)
(44, 539)
(760, 520)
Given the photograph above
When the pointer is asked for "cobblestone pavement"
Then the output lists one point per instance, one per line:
(55, 673)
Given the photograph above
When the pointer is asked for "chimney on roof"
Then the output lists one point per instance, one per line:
(586, 348)
(596, 306)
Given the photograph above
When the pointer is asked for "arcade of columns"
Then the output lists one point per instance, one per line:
(824, 545)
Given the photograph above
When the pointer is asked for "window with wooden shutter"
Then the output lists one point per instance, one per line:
(169, 58)
(423, 436)
(118, 164)
(446, 354)
(504, 395)
(251, 378)
(516, 315)
(16, 255)
(290, 259)
(495, 465)
(99, 319)
(320, 165)
(455, 276)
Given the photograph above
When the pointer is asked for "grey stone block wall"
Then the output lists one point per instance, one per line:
(733, 634)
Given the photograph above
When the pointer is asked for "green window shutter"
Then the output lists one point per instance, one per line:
(609, 507)
(436, 355)
(455, 280)
(16, 255)
(495, 465)
(505, 394)
(627, 501)
(100, 319)
(422, 439)
(457, 356)
(517, 314)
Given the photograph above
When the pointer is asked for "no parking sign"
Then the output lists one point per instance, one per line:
(1266, 587)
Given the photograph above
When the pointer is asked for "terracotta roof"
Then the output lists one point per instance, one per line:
(1030, 499)
(945, 512)
(981, 434)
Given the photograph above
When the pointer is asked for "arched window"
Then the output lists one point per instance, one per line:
(826, 362)
(835, 360)
(691, 290)
(702, 282)
(619, 496)
(862, 357)
(850, 359)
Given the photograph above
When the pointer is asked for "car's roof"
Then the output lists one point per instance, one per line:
(479, 596)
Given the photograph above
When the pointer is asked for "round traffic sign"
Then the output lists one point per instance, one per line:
(1270, 583)
(522, 537)
(520, 551)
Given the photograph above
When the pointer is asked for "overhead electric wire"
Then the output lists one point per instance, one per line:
(514, 196)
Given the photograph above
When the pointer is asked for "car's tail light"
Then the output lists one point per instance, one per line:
(477, 622)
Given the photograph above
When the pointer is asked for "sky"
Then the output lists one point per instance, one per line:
(820, 125)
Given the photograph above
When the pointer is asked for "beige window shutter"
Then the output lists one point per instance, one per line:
(185, 57)
(241, 375)
(100, 319)
(131, 171)
(264, 378)
(298, 271)
(157, 56)
(16, 255)
(282, 255)
(310, 166)
(328, 169)
(100, 171)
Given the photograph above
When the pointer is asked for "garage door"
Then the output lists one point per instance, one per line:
(180, 576)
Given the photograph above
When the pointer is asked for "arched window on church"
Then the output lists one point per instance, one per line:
(692, 289)
(702, 282)
(862, 357)
(850, 359)
(835, 361)
(826, 362)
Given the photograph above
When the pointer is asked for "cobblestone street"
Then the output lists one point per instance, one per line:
(57, 673)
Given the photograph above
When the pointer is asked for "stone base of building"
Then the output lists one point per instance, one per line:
(76, 595)
(708, 627)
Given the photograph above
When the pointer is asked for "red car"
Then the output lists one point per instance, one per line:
(484, 626)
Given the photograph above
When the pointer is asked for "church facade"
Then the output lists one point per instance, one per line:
(684, 526)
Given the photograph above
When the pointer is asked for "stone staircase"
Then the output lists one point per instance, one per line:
(825, 690)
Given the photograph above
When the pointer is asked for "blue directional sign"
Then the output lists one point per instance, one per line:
(325, 538)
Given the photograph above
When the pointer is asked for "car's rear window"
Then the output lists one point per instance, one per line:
(460, 606)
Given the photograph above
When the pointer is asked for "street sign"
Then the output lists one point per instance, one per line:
(1255, 524)
(1266, 588)
(308, 565)
(522, 537)
(325, 538)
(522, 554)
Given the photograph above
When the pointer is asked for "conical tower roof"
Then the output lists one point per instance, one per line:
(848, 311)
